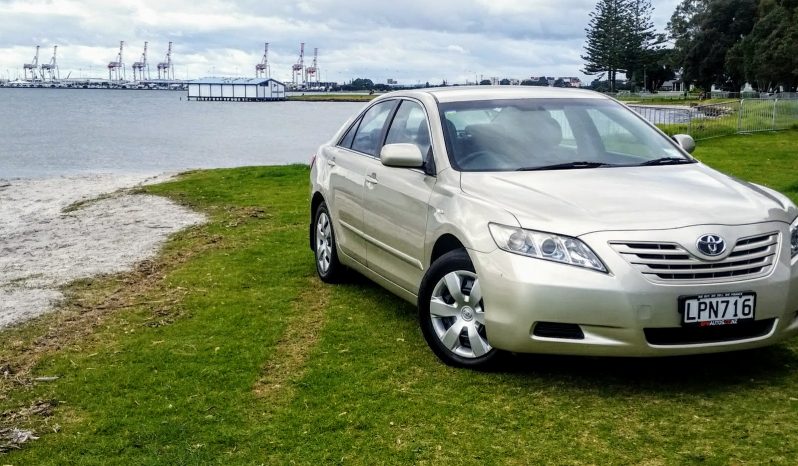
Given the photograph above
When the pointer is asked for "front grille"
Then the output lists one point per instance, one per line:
(712, 334)
(750, 257)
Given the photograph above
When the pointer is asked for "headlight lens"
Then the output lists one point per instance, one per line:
(546, 246)
(794, 238)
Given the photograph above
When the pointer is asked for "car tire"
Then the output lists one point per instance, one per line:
(451, 313)
(325, 250)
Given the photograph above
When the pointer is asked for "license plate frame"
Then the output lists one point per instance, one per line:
(695, 315)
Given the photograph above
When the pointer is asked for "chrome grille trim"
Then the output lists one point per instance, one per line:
(751, 257)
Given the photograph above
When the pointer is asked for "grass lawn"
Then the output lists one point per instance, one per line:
(227, 349)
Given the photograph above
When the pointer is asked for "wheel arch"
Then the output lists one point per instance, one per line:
(315, 202)
(447, 242)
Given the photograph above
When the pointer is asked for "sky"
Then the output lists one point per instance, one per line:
(411, 41)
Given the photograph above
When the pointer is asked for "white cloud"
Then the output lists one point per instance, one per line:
(412, 40)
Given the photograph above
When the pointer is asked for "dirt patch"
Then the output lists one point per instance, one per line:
(88, 303)
(55, 231)
(287, 365)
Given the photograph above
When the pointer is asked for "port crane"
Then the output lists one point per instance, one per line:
(312, 72)
(262, 69)
(50, 70)
(298, 69)
(32, 68)
(116, 69)
(141, 67)
(167, 68)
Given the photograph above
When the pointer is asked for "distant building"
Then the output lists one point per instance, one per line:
(236, 89)
(572, 82)
(569, 81)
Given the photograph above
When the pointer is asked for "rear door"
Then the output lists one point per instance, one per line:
(348, 164)
(396, 203)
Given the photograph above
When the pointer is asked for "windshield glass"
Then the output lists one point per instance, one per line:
(528, 134)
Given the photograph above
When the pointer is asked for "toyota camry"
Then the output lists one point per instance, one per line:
(541, 220)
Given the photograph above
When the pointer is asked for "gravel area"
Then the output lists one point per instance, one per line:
(104, 229)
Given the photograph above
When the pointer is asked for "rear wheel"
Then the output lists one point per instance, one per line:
(328, 267)
(452, 312)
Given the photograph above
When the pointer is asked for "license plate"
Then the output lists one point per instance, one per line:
(714, 309)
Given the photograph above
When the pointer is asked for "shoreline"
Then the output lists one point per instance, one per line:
(56, 230)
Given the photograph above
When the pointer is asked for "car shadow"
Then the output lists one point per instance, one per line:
(709, 373)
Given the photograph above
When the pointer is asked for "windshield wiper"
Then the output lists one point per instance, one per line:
(566, 166)
(667, 161)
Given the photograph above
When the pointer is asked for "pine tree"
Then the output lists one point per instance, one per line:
(608, 38)
(644, 41)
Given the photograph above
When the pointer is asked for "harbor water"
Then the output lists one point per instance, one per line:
(54, 132)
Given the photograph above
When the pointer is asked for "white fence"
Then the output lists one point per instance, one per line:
(713, 120)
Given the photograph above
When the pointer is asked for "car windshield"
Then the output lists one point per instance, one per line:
(551, 134)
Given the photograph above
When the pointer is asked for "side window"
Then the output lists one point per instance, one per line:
(367, 138)
(346, 141)
(410, 126)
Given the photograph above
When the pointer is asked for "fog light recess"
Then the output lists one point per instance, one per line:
(558, 330)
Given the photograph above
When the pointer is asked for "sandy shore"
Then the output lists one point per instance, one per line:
(43, 247)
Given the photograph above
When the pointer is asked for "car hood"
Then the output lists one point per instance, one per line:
(576, 202)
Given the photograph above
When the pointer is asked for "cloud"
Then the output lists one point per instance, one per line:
(412, 41)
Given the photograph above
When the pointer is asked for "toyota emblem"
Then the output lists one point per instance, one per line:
(711, 245)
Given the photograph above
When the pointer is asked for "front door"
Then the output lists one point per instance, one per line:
(348, 161)
(396, 204)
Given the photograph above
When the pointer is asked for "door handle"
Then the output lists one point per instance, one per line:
(331, 161)
(371, 179)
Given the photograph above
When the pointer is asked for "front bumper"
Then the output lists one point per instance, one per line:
(621, 313)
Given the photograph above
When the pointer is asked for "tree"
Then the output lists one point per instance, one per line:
(705, 33)
(608, 38)
(485, 82)
(767, 56)
(643, 41)
(504, 82)
(560, 83)
(659, 69)
(682, 29)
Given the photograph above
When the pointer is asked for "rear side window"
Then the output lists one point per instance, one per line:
(367, 137)
(410, 126)
(346, 141)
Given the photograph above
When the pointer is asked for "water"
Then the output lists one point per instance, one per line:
(52, 132)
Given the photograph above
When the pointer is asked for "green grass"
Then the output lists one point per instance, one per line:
(227, 349)
(318, 97)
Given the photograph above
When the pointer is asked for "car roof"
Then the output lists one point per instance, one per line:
(468, 93)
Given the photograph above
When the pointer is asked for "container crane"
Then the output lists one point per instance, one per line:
(32, 68)
(50, 70)
(140, 67)
(116, 69)
(166, 70)
(312, 72)
(298, 69)
(262, 69)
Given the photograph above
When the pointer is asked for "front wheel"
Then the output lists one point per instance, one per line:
(452, 313)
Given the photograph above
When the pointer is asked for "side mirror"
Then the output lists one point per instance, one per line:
(401, 155)
(686, 142)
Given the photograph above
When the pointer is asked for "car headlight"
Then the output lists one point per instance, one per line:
(546, 246)
(794, 238)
